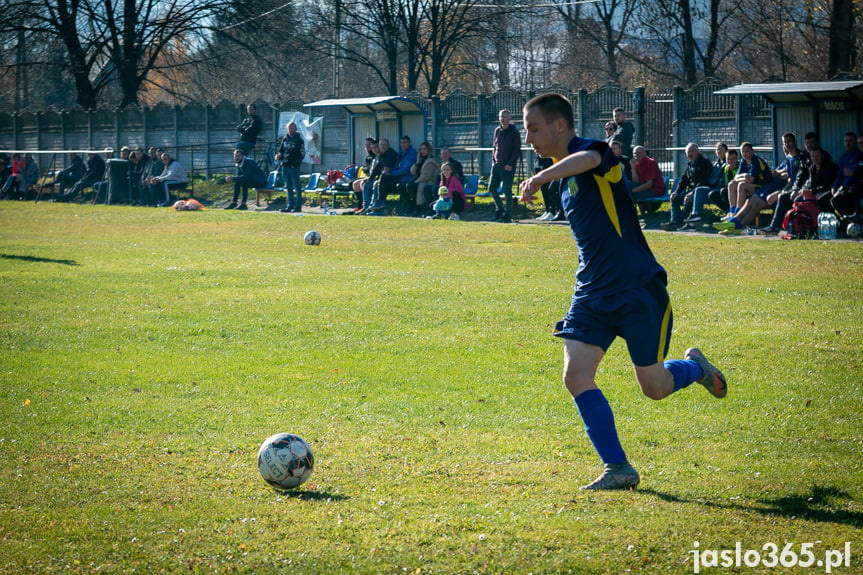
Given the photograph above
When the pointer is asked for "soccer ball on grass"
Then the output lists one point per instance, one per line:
(312, 238)
(854, 230)
(285, 460)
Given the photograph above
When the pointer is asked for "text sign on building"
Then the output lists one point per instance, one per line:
(835, 105)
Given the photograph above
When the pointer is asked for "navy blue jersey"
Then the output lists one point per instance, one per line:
(613, 255)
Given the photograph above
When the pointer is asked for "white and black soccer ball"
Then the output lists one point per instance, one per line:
(854, 230)
(312, 238)
(285, 460)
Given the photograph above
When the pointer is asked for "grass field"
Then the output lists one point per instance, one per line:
(147, 353)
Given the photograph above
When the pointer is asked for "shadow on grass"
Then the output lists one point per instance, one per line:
(42, 260)
(309, 495)
(818, 505)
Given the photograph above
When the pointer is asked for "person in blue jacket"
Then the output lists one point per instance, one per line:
(249, 175)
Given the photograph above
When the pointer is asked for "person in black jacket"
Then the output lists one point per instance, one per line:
(505, 155)
(95, 173)
(249, 130)
(290, 152)
(693, 184)
(71, 174)
(249, 175)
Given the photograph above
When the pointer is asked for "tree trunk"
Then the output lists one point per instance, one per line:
(841, 53)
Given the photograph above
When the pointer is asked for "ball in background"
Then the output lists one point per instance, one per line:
(854, 230)
(312, 238)
(285, 460)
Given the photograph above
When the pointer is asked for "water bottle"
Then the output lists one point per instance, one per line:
(827, 226)
(750, 231)
(326, 207)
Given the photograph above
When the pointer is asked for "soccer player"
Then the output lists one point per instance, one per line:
(620, 289)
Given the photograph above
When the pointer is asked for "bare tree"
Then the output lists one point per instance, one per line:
(108, 43)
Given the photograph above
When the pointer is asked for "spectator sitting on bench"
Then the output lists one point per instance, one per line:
(846, 198)
(173, 177)
(755, 181)
(822, 171)
(647, 181)
(249, 175)
(719, 197)
(623, 159)
(94, 174)
(421, 191)
(153, 166)
(792, 167)
(693, 184)
(449, 181)
(15, 177)
(70, 175)
(358, 183)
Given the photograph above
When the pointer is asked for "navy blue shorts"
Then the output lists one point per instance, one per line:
(641, 316)
(768, 188)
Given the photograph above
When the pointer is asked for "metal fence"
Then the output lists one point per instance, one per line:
(202, 137)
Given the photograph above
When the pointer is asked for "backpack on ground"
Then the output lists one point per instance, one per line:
(801, 221)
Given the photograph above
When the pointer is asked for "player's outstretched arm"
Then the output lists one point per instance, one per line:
(571, 165)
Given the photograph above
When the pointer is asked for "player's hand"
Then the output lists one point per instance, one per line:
(528, 188)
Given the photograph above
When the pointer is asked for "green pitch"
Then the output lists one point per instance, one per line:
(146, 354)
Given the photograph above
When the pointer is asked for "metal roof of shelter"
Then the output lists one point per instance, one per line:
(371, 105)
(799, 91)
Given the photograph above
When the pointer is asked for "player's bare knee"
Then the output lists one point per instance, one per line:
(577, 383)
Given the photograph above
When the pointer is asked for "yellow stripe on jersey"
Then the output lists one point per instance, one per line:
(663, 334)
(607, 195)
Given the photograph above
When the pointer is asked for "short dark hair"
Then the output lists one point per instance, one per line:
(733, 152)
(408, 138)
(853, 134)
(817, 149)
(811, 135)
(553, 106)
(723, 145)
(791, 135)
(371, 140)
(616, 110)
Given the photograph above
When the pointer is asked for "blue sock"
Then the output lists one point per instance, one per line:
(599, 425)
(733, 210)
(684, 371)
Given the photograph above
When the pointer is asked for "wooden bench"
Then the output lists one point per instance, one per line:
(268, 190)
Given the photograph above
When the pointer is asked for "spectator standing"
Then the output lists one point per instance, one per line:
(623, 159)
(446, 158)
(505, 155)
(249, 175)
(290, 153)
(550, 193)
(695, 181)
(136, 171)
(624, 131)
(249, 130)
(94, 173)
(610, 128)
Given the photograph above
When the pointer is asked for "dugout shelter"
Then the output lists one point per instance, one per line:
(390, 117)
(828, 108)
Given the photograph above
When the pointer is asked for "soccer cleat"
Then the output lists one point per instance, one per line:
(727, 217)
(615, 476)
(731, 232)
(768, 231)
(231, 206)
(242, 207)
(724, 226)
(669, 226)
(712, 379)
